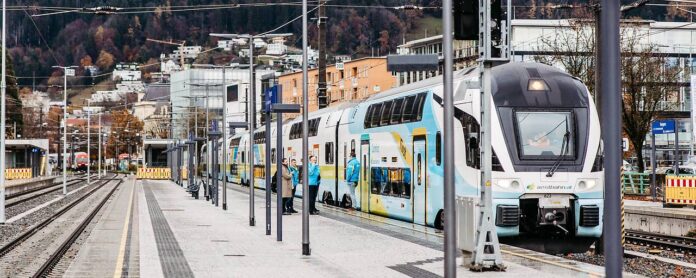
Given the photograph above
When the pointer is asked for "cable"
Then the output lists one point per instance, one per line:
(42, 37)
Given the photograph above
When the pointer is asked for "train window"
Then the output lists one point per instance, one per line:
(386, 113)
(314, 127)
(329, 152)
(438, 148)
(273, 155)
(375, 115)
(407, 114)
(243, 158)
(418, 107)
(406, 177)
(471, 130)
(396, 111)
(368, 116)
(352, 146)
(376, 179)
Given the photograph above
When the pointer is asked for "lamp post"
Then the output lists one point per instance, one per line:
(251, 110)
(305, 135)
(67, 71)
(3, 89)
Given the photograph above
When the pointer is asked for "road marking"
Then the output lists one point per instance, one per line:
(124, 236)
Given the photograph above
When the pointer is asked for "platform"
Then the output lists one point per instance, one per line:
(169, 234)
(653, 217)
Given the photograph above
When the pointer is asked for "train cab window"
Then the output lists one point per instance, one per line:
(329, 153)
(407, 114)
(375, 117)
(396, 111)
(438, 148)
(471, 130)
(386, 113)
(243, 158)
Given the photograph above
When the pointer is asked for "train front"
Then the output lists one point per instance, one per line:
(548, 185)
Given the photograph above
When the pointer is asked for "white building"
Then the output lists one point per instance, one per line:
(276, 49)
(189, 52)
(189, 89)
(126, 72)
(465, 54)
(36, 100)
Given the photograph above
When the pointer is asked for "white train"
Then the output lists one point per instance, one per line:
(547, 160)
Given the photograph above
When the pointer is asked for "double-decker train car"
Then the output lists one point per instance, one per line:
(547, 160)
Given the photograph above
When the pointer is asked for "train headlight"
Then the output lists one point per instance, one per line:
(537, 85)
(511, 184)
(587, 184)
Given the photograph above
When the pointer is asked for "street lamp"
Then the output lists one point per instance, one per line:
(252, 104)
(67, 71)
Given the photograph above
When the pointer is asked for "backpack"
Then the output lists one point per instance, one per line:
(274, 184)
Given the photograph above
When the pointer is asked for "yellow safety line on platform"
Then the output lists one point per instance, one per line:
(124, 237)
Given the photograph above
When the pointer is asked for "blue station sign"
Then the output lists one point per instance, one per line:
(663, 126)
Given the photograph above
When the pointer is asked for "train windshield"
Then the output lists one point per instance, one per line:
(545, 135)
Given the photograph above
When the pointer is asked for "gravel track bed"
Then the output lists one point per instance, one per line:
(689, 258)
(71, 254)
(646, 267)
(11, 230)
(20, 208)
(27, 257)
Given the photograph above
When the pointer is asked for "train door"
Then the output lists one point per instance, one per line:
(363, 197)
(420, 191)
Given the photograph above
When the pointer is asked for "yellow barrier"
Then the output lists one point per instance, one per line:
(18, 174)
(154, 173)
(680, 190)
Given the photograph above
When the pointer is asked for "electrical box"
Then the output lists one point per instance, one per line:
(468, 212)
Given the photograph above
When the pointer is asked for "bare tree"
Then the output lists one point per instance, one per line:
(649, 80)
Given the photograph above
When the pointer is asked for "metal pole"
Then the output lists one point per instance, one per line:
(252, 121)
(99, 172)
(89, 157)
(653, 185)
(208, 153)
(224, 140)
(676, 147)
(305, 135)
(3, 89)
(65, 131)
(279, 176)
(448, 132)
(610, 100)
(268, 176)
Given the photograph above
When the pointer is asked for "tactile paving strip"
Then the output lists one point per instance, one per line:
(172, 259)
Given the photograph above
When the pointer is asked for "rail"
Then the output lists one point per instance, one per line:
(674, 243)
(32, 230)
(56, 256)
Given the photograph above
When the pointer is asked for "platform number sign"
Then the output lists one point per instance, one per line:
(624, 144)
(663, 126)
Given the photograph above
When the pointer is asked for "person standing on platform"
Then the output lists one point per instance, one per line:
(352, 178)
(295, 180)
(286, 186)
(314, 178)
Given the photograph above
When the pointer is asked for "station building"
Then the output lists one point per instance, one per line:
(348, 80)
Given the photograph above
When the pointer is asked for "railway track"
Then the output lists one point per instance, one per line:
(672, 243)
(16, 200)
(9, 246)
(33, 190)
(48, 266)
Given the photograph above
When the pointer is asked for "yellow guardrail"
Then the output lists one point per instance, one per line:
(18, 173)
(154, 173)
(680, 190)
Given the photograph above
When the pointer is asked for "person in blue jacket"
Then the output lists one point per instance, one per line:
(352, 177)
(314, 179)
(295, 180)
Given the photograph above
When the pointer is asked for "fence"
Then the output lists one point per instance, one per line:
(18, 173)
(154, 173)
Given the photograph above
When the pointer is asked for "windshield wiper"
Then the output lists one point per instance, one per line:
(564, 152)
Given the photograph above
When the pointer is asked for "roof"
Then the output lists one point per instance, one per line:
(157, 92)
